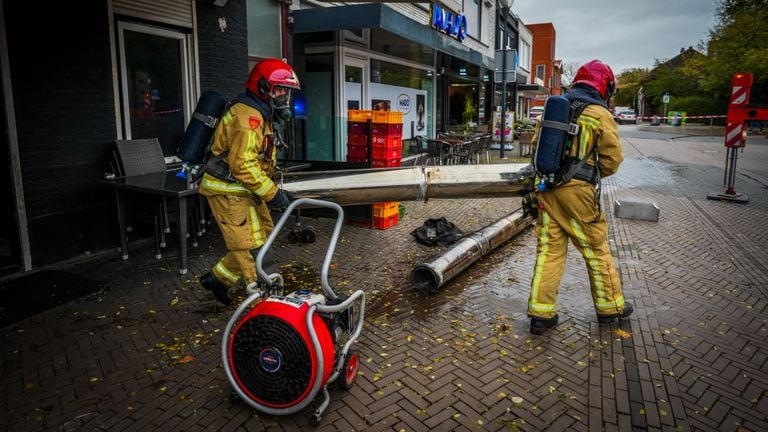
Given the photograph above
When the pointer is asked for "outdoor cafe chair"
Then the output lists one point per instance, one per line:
(136, 157)
(439, 152)
(463, 150)
(484, 148)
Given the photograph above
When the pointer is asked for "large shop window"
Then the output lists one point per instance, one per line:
(155, 84)
(402, 88)
(264, 29)
(318, 95)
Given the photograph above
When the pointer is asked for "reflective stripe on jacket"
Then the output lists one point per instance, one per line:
(596, 127)
(244, 134)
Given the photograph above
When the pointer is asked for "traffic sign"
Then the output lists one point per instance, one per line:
(498, 76)
(665, 98)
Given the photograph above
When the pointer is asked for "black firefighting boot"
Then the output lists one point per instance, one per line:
(609, 319)
(540, 325)
(219, 290)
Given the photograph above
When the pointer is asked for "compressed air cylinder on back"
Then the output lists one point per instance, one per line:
(552, 135)
(204, 120)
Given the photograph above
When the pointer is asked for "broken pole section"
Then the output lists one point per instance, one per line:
(430, 276)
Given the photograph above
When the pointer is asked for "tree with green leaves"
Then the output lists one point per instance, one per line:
(682, 84)
(628, 82)
(738, 43)
(701, 84)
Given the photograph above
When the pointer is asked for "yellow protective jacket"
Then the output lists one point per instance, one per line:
(251, 156)
(572, 212)
(596, 127)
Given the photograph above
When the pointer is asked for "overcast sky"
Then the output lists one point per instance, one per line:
(622, 33)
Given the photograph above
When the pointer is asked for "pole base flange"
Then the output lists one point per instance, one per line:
(738, 198)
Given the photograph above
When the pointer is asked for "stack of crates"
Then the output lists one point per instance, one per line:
(387, 139)
(386, 131)
(357, 135)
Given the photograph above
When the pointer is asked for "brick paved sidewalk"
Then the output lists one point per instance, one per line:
(144, 353)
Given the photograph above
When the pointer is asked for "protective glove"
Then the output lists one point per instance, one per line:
(530, 205)
(280, 201)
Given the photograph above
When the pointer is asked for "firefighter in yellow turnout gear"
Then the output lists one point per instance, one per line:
(237, 180)
(572, 211)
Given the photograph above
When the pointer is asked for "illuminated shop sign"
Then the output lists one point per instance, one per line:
(450, 23)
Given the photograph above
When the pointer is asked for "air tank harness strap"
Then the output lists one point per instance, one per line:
(218, 167)
(207, 120)
(581, 170)
(587, 173)
(570, 128)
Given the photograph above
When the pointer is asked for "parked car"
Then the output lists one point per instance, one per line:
(536, 112)
(626, 117)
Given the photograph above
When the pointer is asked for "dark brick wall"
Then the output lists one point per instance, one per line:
(223, 54)
(63, 97)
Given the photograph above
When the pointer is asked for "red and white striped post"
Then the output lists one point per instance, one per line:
(735, 130)
(735, 135)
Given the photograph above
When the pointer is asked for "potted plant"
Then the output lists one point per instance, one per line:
(524, 130)
(468, 116)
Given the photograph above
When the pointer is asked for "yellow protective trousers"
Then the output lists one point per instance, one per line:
(571, 212)
(245, 224)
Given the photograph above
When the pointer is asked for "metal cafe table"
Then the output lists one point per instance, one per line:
(162, 184)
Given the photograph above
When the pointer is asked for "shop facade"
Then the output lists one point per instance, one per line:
(124, 70)
(513, 35)
(140, 66)
(389, 57)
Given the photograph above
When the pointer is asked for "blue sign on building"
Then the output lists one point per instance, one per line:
(450, 23)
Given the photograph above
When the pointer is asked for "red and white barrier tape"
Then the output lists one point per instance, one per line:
(167, 111)
(711, 116)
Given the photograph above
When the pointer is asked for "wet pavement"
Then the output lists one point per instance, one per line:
(143, 353)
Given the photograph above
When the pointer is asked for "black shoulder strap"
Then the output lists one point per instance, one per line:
(571, 128)
(576, 109)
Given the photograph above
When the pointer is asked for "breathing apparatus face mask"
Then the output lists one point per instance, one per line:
(282, 115)
(280, 99)
(609, 90)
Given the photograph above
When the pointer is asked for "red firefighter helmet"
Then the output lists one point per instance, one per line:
(597, 75)
(269, 74)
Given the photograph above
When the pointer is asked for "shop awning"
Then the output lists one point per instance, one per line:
(378, 15)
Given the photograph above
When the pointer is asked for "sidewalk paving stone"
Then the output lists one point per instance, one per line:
(143, 353)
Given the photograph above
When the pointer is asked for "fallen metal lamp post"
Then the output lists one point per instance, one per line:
(419, 183)
(429, 276)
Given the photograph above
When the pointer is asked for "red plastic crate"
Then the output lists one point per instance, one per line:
(380, 153)
(387, 129)
(385, 163)
(356, 159)
(360, 128)
(360, 151)
(387, 141)
(357, 151)
(385, 222)
(357, 139)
